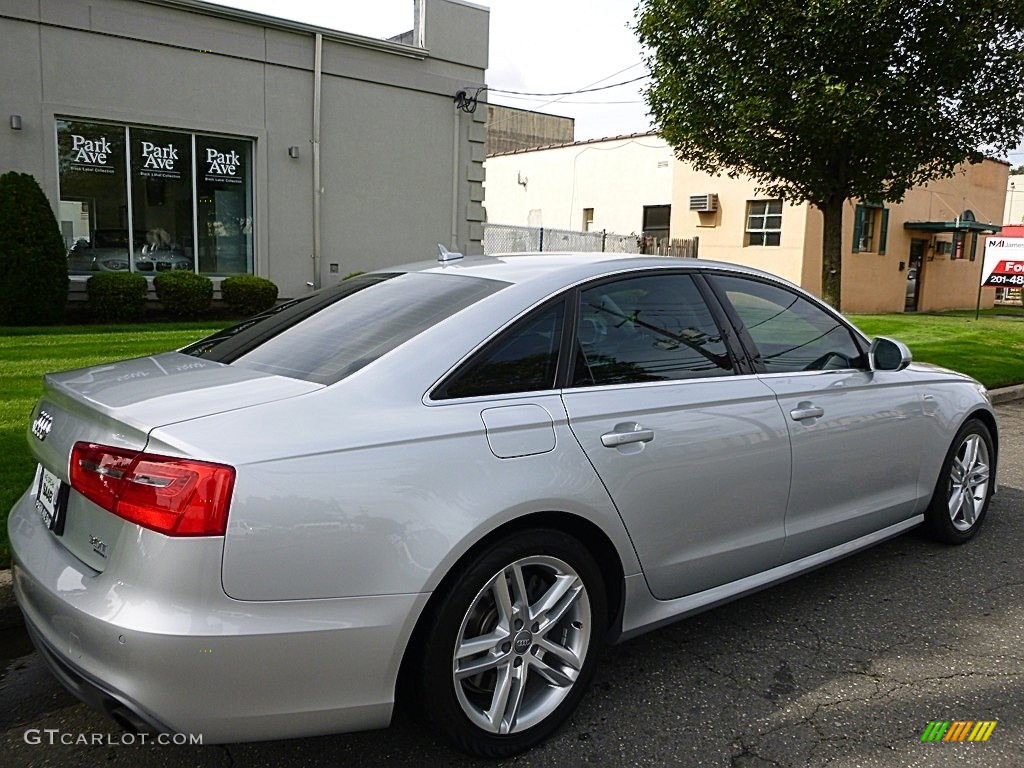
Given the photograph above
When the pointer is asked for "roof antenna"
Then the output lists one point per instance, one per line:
(443, 254)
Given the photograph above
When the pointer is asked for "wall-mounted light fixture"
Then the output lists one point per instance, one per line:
(293, 152)
(15, 122)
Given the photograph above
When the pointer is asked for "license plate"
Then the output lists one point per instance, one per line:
(51, 500)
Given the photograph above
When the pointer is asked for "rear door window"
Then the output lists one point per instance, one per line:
(647, 328)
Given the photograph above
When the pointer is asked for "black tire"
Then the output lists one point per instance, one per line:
(939, 521)
(435, 683)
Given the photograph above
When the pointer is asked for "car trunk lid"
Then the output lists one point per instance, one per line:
(118, 405)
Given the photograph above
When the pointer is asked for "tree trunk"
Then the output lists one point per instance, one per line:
(832, 252)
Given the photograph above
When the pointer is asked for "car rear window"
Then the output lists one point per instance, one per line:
(333, 333)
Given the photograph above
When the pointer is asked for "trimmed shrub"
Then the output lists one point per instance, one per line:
(350, 275)
(117, 296)
(33, 259)
(185, 295)
(248, 294)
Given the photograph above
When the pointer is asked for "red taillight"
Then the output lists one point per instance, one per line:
(178, 497)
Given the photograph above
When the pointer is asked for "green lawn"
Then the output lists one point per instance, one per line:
(990, 349)
(27, 353)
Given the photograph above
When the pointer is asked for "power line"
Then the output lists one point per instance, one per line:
(569, 93)
(528, 100)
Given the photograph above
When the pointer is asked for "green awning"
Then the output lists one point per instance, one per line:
(965, 222)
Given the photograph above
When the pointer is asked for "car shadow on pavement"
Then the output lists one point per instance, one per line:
(846, 664)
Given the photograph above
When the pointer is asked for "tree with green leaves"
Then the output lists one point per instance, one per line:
(821, 101)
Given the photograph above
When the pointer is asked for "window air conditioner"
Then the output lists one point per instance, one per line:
(707, 203)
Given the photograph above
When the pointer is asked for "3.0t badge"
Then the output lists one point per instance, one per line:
(42, 425)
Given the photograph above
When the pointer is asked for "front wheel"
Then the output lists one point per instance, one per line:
(964, 488)
(513, 644)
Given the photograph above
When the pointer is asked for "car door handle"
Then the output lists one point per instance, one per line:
(623, 434)
(806, 411)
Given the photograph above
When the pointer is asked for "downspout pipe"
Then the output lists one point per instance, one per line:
(317, 190)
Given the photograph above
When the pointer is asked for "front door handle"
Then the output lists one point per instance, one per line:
(806, 411)
(623, 434)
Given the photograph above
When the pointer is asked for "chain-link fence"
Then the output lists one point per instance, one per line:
(505, 238)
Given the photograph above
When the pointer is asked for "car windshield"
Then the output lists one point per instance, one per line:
(335, 332)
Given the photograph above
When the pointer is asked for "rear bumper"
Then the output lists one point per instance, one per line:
(159, 646)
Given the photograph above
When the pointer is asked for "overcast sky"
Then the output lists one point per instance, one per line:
(539, 46)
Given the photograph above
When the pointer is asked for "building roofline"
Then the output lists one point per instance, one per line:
(530, 111)
(578, 143)
(287, 25)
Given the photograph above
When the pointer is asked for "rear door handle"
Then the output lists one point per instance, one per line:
(623, 434)
(806, 411)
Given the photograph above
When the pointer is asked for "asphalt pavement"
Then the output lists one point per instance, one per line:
(843, 667)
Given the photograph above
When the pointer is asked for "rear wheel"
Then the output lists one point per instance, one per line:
(964, 488)
(513, 644)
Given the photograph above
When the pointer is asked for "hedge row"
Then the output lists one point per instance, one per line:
(120, 296)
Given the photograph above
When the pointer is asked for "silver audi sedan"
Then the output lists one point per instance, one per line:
(455, 481)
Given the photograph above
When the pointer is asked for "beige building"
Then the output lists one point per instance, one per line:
(924, 253)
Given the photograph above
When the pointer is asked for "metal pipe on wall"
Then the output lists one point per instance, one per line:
(455, 183)
(317, 190)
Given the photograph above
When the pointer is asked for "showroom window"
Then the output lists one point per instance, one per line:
(181, 200)
(764, 222)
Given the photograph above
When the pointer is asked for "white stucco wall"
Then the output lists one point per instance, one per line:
(1014, 210)
(551, 187)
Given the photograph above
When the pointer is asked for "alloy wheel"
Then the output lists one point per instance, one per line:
(968, 482)
(522, 644)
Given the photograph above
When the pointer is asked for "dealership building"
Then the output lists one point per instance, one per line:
(176, 134)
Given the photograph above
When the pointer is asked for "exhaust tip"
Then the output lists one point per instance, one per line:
(128, 720)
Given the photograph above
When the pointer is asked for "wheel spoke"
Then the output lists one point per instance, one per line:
(553, 599)
(521, 599)
(515, 700)
(480, 644)
(971, 454)
(969, 507)
(482, 664)
(553, 675)
(503, 600)
(956, 500)
(564, 655)
(499, 701)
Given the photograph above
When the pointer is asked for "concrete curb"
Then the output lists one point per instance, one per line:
(10, 614)
(1006, 394)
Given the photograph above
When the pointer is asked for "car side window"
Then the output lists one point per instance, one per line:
(524, 358)
(791, 333)
(649, 328)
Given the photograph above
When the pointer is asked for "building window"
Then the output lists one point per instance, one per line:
(147, 200)
(588, 219)
(764, 222)
(870, 228)
(656, 221)
(225, 205)
(161, 189)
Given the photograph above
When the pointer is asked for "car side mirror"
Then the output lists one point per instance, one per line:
(888, 355)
